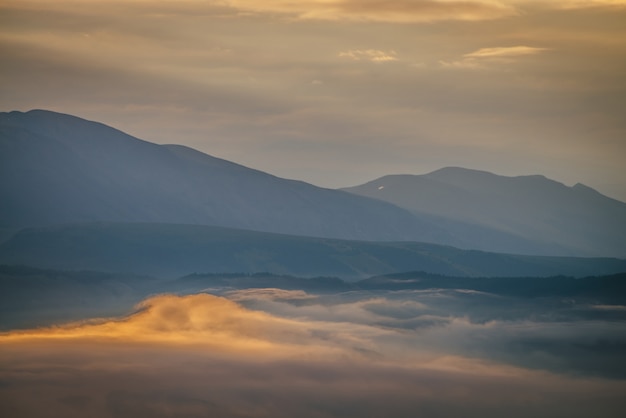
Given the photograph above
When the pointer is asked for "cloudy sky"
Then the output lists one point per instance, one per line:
(338, 92)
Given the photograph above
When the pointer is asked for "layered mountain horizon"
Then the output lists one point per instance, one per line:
(115, 247)
(60, 169)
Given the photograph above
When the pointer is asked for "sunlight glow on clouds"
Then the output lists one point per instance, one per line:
(510, 51)
(572, 4)
(370, 55)
(218, 324)
(407, 11)
(481, 57)
(204, 355)
(403, 11)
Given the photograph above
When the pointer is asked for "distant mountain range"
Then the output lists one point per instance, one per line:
(58, 169)
(172, 250)
(492, 211)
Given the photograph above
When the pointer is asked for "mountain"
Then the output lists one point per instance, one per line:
(494, 211)
(59, 169)
(31, 297)
(172, 250)
(56, 169)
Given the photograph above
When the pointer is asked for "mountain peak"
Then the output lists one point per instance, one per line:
(583, 187)
(461, 172)
(39, 113)
(454, 170)
(501, 211)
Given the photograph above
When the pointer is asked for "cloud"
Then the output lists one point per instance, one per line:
(113, 381)
(403, 327)
(480, 58)
(374, 55)
(219, 325)
(504, 52)
(609, 307)
(403, 11)
(541, 334)
(571, 4)
(269, 293)
(468, 64)
(204, 355)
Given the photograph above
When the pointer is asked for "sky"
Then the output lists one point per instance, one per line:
(335, 92)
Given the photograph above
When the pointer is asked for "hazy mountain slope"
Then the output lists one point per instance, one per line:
(577, 219)
(31, 297)
(56, 168)
(170, 250)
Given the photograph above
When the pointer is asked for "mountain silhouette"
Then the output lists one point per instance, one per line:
(572, 220)
(56, 169)
(59, 169)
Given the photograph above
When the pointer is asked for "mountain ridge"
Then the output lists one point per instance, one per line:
(170, 250)
(83, 171)
(59, 169)
(578, 219)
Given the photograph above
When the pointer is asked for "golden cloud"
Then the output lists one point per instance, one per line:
(571, 4)
(373, 55)
(402, 11)
(504, 52)
(481, 58)
(381, 11)
(203, 355)
(210, 323)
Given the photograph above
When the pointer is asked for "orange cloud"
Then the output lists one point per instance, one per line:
(509, 51)
(402, 11)
(572, 4)
(374, 55)
(210, 323)
(204, 355)
(480, 58)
